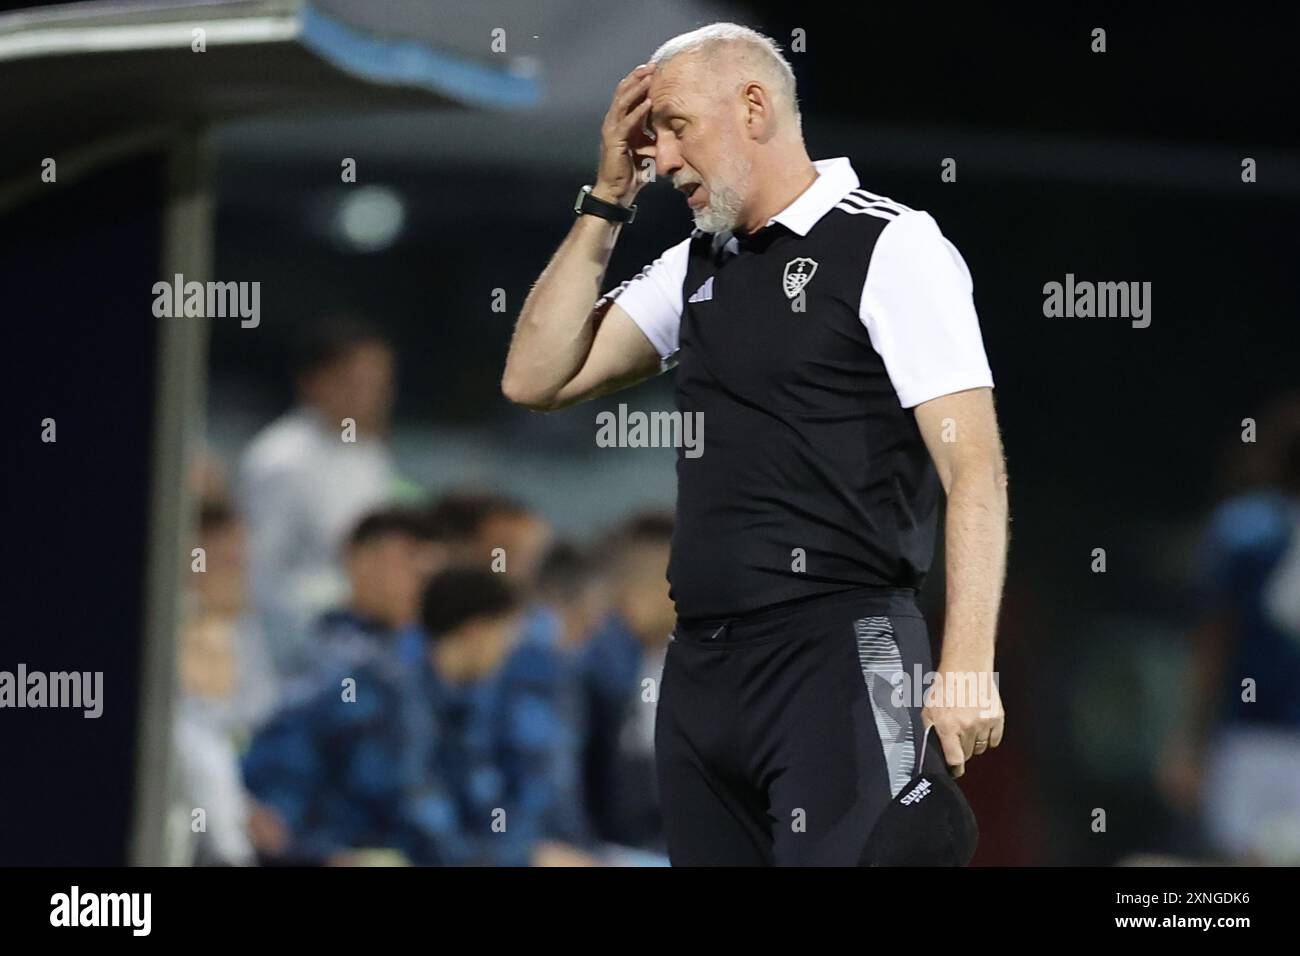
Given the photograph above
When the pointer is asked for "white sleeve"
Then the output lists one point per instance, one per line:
(653, 298)
(919, 313)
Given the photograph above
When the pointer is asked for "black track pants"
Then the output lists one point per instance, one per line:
(779, 738)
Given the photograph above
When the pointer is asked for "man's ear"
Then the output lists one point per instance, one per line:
(758, 106)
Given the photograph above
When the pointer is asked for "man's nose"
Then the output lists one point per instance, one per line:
(667, 162)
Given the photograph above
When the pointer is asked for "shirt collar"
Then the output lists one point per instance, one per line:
(835, 179)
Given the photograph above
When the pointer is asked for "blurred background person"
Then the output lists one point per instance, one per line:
(222, 594)
(1237, 753)
(521, 533)
(403, 756)
(390, 555)
(574, 589)
(206, 476)
(207, 754)
(541, 699)
(537, 698)
(226, 688)
(620, 674)
(485, 529)
(1282, 591)
(307, 477)
(500, 533)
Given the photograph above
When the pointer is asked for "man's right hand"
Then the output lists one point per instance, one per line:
(623, 138)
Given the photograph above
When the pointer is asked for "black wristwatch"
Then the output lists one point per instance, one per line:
(589, 204)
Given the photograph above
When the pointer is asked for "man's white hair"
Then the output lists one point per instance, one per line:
(759, 54)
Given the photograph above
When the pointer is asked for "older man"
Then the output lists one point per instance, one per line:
(828, 338)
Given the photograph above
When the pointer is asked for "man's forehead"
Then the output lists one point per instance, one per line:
(686, 86)
(672, 72)
(674, 86)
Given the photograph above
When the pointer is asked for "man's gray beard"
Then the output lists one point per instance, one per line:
(723, 210)
(721, 214)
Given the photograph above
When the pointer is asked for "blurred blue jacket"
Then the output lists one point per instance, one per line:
(337, 641)
(411, 763)
(618, 762)
(534, 725)
(541, 730)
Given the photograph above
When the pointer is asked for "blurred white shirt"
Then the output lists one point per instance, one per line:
(210, 780)
(302, 488)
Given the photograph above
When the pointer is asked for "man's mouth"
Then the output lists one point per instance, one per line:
(691, 191)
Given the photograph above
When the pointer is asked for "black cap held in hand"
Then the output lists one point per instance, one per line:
(929, 823)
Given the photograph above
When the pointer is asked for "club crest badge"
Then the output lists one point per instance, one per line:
(798, 273)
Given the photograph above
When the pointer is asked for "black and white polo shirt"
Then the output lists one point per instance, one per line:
(806, 345)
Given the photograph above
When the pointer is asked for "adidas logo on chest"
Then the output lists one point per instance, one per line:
(794, 279)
